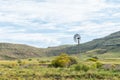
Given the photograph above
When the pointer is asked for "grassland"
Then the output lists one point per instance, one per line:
(39, 69)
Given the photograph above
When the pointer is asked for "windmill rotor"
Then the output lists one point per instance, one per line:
(77, 38)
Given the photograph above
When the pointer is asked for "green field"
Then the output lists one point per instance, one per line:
(39, 69)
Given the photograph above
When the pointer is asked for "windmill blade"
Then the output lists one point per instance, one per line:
(77, 37)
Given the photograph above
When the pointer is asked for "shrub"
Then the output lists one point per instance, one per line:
(42, 61)
(82, 67)
(98, 64)
(19, 62)
(14, 64)
(30, 59)
(95, 57)
(63, 61)
(92, 59)
(72, 61)
(93, 66)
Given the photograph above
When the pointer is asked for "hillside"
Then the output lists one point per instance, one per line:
(16, 51)
(110, 43)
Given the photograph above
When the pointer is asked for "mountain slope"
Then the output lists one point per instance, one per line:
(110, 43)
(15, 51)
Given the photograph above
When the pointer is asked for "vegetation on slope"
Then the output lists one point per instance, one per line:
(108, 44)
(16, 51)
(33, 69)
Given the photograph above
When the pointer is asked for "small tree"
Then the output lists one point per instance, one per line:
(63, 61)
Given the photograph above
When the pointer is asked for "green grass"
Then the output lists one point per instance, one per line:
(37, 73)
(35, 69)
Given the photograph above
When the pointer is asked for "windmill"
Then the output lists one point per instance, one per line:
(77, 40)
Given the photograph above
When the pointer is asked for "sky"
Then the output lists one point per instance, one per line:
(46, 23)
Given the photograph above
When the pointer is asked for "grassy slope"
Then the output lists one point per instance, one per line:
(32, 70)
(108, 46)
(110, 43)
(13, 51)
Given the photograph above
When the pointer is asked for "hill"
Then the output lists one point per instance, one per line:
(16, 51)
(108, 44)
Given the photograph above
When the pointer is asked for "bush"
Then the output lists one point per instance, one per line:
(82, 67)
(63, 61)
(98, 64)
(42, 61)
(72, 61)
(95, 57)
(19, 62)
(92, 59)
(30, 59)
(93, 66)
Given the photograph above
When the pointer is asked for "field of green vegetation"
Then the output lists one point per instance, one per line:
(86, 68)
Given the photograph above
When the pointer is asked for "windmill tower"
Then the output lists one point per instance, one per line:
(77, 40)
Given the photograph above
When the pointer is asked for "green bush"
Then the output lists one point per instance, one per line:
(81, 67)
(99, 64)
(96, 65)
(42, 61)
(19, 61)
(92, 59)
(72, 61)
(93, 66)
(95, 57)
(30, 59)
(63, 61)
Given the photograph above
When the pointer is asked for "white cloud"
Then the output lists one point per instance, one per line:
(94, 29)
(72, 10)
(30, 37)
(27, 16)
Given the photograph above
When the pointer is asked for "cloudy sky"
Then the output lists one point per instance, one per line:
(44, 23)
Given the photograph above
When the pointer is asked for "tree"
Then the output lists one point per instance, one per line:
(63, 61)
